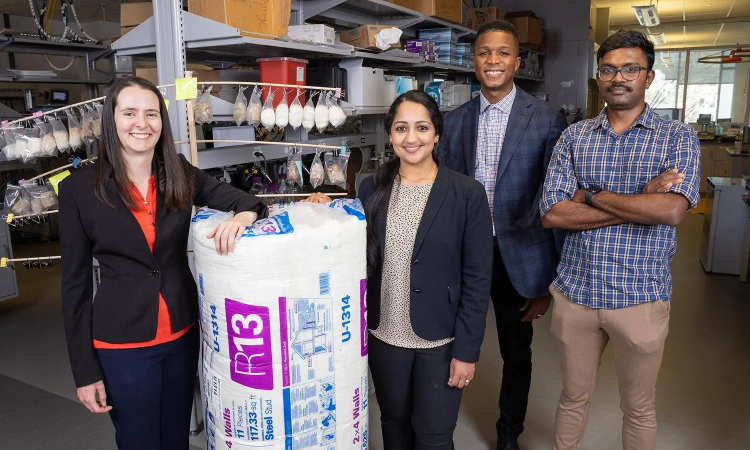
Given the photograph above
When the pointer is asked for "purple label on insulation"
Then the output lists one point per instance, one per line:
(284, 342)
(363, 315)
(249, 339)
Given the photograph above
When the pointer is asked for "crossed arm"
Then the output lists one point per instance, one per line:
(652, 206)
(663, 200)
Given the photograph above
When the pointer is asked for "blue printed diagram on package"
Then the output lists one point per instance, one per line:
(203, 214)
(277, 208)
(278, 224)
(352, 207)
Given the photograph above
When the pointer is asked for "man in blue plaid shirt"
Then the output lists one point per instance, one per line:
(621, 183)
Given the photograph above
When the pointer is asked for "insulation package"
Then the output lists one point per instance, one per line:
(284, 332)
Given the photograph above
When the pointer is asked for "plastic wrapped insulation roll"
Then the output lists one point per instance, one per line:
(284, 332)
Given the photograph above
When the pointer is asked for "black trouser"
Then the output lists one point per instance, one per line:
(418, 410)
(515, 347)
(151, 393)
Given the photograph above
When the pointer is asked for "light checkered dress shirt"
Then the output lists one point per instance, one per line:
(623, 265)
(493, 121)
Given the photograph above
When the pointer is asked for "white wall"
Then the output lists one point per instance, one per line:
(740, 97)
(569, 59)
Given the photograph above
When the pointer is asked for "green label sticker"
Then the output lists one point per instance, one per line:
(187, 88)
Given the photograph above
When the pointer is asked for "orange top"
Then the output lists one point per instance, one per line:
(146, 218)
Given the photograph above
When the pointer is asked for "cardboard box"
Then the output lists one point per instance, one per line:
(366, 86)
(364, 36)
(465, 61)
(445, 48)
(450, 10)
(132, 14)
(438, 35)
(458, 94)
(261, 17)
(476, 88)
(320, 34)
(125, 30)
(529, 28)
(420, 46)
(405, 84)
(476, 17)
(465, 49)
(436, 90)
(448, 60)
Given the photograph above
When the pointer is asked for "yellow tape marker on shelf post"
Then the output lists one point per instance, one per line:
(166, 102)
(186, 88)
(3, 262)
(10, 218)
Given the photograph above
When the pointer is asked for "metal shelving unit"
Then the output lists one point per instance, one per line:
(31, 45)
(439, 68)
(391, 56)
(242, 154)
(177, 36)
(205, 39)
(89, 52)
(208, 40)
(354, 111)
(381, 12)
(6, 75)
(93, 80)
(351, 110)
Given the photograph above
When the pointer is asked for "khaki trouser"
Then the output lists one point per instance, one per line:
(637, 334)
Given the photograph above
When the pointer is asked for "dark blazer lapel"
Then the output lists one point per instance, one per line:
(382, 227)
(434, 202)
(162, 216)
(517, 123)
(128, 220)
(470, 130)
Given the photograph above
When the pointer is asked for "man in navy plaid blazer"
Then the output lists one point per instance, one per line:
(505, 138)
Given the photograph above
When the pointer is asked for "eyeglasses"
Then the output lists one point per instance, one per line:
(630, 73)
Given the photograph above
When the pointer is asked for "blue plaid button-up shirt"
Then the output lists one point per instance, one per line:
(623, 265)
(493, 121)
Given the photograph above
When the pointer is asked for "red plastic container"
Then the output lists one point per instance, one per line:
(283, 71)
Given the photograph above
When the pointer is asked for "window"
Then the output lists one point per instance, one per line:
(708, 88)
(668, 88)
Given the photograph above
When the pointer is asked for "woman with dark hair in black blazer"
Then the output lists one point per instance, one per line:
(134, 349)
(429, 253)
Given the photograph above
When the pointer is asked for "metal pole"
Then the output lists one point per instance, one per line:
(191, 132)
(685, 86)
(170, 59)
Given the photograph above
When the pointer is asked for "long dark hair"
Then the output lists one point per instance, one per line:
(377, 205)
(174, 179)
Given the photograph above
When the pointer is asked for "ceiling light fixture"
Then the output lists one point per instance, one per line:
(658, 38)
(647, 15)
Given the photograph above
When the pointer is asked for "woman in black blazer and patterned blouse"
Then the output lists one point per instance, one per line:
(429, 253)
(134, 349)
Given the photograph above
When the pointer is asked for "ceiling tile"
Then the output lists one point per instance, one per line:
(621, 14)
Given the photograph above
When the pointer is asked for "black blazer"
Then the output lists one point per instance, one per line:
(126, 308)
(451, 269)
